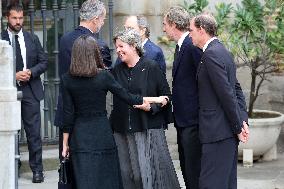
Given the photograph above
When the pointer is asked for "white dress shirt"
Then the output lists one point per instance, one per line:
(207, 43)
(144, 42)
(181, 39)
(22, 45)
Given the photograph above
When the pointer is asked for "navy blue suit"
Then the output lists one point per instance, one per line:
(65, 49)
(185, 110)
(152, 52)
(32, 91)
(222, 111)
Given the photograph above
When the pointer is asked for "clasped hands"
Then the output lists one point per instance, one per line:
(244, 135)
(146, 106)
(23, 75)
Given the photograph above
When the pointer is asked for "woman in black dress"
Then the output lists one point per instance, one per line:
(92, 146)
(144, 157)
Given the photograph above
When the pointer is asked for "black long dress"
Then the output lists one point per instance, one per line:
(92, 146)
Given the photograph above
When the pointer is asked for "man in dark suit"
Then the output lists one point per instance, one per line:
(152, 51)
(222, 108)
(185, 96)
(92, 15)
(31, 62)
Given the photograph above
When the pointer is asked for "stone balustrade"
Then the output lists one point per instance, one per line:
(10, 117)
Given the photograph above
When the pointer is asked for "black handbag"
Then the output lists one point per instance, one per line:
(65, 175)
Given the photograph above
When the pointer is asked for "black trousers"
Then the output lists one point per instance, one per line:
(219, 165)
(30, 112)
(189, 149)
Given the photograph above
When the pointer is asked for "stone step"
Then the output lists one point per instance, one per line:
(50, 152)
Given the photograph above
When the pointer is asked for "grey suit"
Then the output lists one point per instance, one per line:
(221, 112)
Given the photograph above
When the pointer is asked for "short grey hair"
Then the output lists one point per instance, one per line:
(207, 22)
(91, 9)
(143, 23)
(132, 38)
(178, 16)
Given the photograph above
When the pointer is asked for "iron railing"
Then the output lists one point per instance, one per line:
(50, 23)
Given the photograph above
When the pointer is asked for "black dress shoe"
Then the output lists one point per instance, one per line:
(38, 177)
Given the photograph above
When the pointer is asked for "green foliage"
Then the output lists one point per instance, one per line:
(223, 12)
(170, 46)
(222, 18)
(196, 7)
(248, 22)
(276, 34)
(255, 36)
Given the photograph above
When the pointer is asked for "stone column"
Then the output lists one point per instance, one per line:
(10, 117)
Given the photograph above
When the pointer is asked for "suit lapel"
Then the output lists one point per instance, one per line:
(28, 45)
(180, 54)
(146, 47)
(147, 44)
(202, 58)
(199, 67)
(85, 30)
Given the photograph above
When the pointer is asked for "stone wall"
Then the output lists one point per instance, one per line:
(153, 10)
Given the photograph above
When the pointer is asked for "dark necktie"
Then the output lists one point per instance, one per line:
(19, 58)
(175, 59)
(176, 52)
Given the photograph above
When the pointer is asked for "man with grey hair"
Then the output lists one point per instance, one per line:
(92, 15)
(185, 96)
(222, 107)
(152, 51)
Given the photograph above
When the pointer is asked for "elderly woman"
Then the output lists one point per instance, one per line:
(145, 161)
(92, 146)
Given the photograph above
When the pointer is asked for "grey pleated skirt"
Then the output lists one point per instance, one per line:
(145, 161)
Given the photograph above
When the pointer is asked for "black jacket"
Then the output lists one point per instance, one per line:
(146, 79)
(65, 49)
(36, 61)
